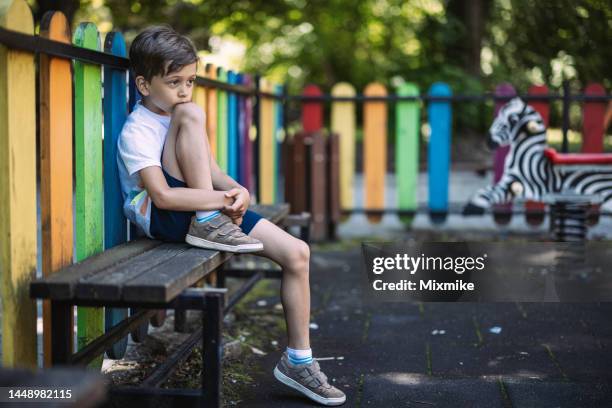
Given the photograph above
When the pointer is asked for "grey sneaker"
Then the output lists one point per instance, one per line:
(309, 380)
(221, 234)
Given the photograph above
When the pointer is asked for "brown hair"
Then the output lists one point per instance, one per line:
(159, 50)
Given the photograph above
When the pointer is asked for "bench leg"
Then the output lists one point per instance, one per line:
(180, 320)
(61, 333)
(221, 276)
(212, 326)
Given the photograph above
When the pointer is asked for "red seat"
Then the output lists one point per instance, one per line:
(577, 158)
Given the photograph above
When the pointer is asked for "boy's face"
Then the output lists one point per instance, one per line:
(163, 93)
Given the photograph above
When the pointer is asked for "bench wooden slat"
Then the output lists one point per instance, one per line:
(60, 285)
(166, 281)
(106, 284)
(144, 270)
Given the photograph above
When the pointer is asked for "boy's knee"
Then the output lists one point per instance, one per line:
(300, 254)
(188, 113)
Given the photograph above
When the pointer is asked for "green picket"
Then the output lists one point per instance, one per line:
(222, 121)
(407, 126)
(88, 169)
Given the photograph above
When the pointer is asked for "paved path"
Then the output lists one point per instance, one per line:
(546, 355)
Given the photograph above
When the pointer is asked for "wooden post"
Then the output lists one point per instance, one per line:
(88, 161)
(314, 144)
(115, 224)
(374, 150)
(232, 128)
(344, 123)
(18, 191)
(502, 213)
(333, 184)
(535, 210)
(246, 162)
(222, 121)
(593, 117)
(407, 138)
(266, 146)
(312, 111)
(141, 331)
(316, 159)
(56, 187)
(439, 153)
(211, 111)
(593, 120)
(297, 188)
(279, 137)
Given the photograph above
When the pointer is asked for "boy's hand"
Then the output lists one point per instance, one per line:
(241, 198)
(237, 220)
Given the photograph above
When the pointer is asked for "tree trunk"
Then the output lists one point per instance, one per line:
(472, 16)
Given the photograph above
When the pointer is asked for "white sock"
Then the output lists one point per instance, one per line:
(299, 356)
(202, 216)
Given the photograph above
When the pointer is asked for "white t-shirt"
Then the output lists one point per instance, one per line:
(140, 145)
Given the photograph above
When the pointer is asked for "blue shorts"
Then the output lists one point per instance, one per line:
(169, 225)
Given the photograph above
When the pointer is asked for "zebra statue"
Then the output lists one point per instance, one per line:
(528, 174)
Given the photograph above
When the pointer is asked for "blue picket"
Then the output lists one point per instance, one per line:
(440, 122)
(232, 128)
(278, 131)
(115, 226)
(141, 331)
(241, 133)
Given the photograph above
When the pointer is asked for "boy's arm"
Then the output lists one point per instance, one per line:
(220, 180)
(181, 198)
(239, 195)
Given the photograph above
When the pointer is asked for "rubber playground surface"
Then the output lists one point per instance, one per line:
(446, 354)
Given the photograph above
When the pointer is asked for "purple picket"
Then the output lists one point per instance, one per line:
(503, 89)
(246, 148)
(502, 213)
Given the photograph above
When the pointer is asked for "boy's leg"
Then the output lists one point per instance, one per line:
(187, 158)
(293, 255)
(186, 150)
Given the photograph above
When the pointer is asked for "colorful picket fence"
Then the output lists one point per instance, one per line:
(98, 217)
(406, 132)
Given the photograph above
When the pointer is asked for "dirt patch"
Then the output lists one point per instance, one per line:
(251, 331)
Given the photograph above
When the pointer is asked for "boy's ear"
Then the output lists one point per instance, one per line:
(142, 84)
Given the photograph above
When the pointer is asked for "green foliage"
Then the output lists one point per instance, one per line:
(556, 39)
(360, 41)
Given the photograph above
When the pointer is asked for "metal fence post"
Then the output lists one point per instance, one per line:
(566, 106)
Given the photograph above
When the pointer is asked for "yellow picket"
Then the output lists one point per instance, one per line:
(18, 190)
(199, 92)
(343, 122)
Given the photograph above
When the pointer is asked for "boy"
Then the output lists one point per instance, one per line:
(174, 190)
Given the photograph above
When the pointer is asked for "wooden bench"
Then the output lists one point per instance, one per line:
(149, 275)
